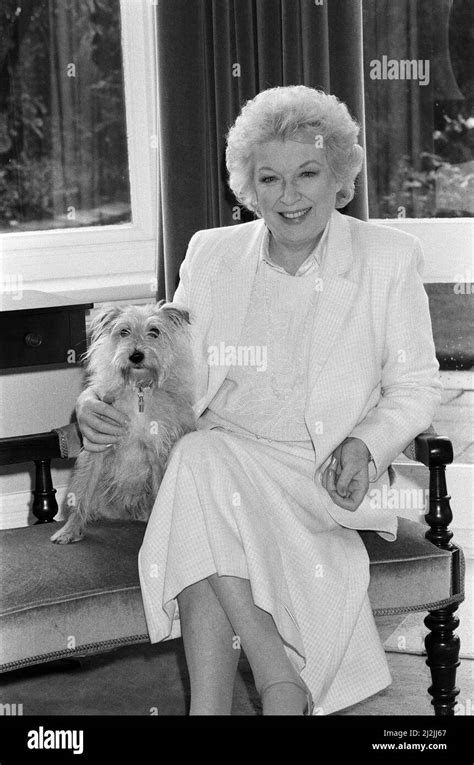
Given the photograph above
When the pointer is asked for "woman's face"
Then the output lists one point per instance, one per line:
(296, 191)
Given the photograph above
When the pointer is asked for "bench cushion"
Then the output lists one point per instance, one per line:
(412, 574)
(63, 600)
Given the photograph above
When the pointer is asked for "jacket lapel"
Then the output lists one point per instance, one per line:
(231, 291)
(334, 301)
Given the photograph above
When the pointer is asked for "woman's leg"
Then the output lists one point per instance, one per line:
(263, 646)
(211, 649)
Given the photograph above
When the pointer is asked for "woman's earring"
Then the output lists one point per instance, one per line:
(342, 198)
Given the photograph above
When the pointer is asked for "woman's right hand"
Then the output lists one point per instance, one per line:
(101, 424)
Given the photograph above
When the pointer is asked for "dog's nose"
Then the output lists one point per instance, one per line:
(136, 357)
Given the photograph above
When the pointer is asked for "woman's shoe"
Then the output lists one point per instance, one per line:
(308, 710)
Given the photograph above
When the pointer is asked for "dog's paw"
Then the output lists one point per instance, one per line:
(64, 537)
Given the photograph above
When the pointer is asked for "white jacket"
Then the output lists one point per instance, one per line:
(373, 372)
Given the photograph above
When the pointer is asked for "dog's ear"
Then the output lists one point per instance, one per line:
(178, 316)
(103, 319)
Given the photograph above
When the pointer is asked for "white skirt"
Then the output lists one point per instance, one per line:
(237, 506)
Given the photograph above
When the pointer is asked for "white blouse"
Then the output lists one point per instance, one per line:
(264, 392)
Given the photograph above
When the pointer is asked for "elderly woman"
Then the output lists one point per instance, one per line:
(315, 367)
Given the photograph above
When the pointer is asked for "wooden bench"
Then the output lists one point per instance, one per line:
(62, 601)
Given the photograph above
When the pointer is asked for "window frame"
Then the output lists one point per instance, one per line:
(113, 261)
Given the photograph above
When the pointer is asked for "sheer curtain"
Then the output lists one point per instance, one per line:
(72, 139)
(213, 55)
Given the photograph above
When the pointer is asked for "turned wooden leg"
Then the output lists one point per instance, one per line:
(45, 506)
(442, 647)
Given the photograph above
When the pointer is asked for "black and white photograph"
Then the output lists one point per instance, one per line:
(236, 377)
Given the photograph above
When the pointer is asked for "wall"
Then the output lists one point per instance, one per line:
(32, 402)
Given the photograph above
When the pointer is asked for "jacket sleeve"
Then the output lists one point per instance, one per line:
(411, 388)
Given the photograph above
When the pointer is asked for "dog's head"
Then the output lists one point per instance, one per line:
(139, 343)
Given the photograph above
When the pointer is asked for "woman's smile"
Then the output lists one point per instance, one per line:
(296, 216)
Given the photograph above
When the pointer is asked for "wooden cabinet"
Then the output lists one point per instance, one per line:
(38, 328)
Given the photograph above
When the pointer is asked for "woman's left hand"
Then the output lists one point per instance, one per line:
(346, 479)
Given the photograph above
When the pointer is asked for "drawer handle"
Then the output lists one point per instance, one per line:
(33, 339)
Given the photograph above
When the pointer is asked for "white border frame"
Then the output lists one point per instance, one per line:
(106, 262)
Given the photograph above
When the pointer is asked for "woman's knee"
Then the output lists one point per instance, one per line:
(197, 445)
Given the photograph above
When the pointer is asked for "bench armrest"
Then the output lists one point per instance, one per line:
(40, 448)
(18, 449)
(433, 450)
(70, 440)
(436, 452)
(65, 442)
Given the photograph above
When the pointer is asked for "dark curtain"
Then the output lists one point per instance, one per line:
(213, 55)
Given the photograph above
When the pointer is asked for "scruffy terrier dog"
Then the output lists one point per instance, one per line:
(140, 361)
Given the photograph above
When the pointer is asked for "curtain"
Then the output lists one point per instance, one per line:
(88, 137)
(213, 55)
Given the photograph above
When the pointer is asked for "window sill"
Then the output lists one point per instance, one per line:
(446, 242)
(127, 287)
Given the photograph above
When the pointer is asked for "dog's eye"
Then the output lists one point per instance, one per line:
(153, 332)
(124, 332)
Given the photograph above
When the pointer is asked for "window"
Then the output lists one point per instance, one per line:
(78, 147)
(419, 108)
(63, 148)
(420, 127)
(419, 100)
